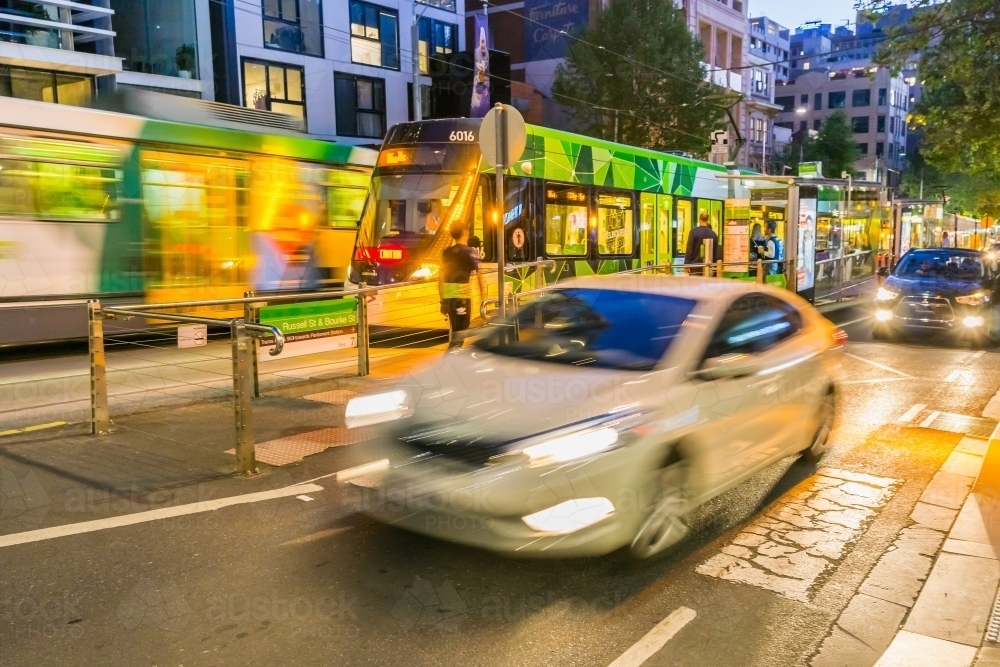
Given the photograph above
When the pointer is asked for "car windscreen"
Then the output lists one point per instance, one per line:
(592, 327)
(941, 264)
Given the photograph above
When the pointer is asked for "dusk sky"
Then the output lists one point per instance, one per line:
(791, 14)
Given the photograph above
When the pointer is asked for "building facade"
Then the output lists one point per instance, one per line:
(768, 56)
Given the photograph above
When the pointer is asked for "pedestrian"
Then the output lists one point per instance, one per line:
(774, 250)
(696, 242)
(757, 246)
(458, 263)
(945, 240)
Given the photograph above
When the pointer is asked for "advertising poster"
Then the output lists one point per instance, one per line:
(543, 39)
(806, 257)
(736, 239)
(319, 326)
(481, 73)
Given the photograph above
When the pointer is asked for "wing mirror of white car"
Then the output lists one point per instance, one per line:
(729, 366)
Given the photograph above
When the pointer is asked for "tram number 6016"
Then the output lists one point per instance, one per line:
(462, 135)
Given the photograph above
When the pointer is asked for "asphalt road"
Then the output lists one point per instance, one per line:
(292, 581)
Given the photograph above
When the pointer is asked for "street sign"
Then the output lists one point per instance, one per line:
(720, 142)
(516, 137)
(811, 170)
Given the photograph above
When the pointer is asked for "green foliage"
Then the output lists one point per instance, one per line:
(974, 195)
(655, 87)
(833, 145)
(956, 45)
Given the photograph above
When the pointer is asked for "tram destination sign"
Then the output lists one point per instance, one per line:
(317, 326)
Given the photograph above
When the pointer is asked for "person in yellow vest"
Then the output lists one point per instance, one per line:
(458, 263)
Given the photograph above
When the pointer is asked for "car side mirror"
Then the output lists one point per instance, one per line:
(882, 272)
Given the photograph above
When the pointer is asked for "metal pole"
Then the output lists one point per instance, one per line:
(793, 275)
(250, 315)
(760, 270)
(363, 339)
(418, 112)
(707, 269)
(540, 272)
(246, 459)
(100, 422)
(501, 133)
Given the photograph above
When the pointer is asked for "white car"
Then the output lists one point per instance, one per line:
(603, 412)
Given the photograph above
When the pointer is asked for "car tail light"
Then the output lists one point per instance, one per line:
(839, 338)
(390, 254)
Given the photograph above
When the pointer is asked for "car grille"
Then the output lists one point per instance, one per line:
(453, 442)
(929, 310)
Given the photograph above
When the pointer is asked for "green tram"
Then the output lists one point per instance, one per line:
(116, 206)
(593, 206)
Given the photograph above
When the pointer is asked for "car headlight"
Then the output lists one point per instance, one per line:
(885, 295)
(377, 408)
(977, 299)
(572, 446)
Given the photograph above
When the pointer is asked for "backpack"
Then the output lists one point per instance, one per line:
(779, 253)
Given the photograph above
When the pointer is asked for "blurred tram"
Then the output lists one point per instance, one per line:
(121, 207)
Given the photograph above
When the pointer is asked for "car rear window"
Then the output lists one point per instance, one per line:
(592, 327)
(941, 264)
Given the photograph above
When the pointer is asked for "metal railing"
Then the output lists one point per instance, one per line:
(245, 334)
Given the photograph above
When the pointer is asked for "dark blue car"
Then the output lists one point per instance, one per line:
(946, 290)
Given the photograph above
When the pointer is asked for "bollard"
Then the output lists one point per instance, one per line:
(100, 421)
(719, 269)
(246, 458)
(363, 366)
(250, 315)
(760, 270)
(792, 275)
(707, 269)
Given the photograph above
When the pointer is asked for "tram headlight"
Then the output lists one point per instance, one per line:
(377, 408)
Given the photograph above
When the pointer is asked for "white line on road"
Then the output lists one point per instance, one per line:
(954, 375)
(152, 515)
(860, 319)
(878, 365)
(654, 640)
(911, 414)
(979, 354)
(930, 419)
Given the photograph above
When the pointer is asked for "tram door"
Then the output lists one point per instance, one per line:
(648, 229)
(664, 228)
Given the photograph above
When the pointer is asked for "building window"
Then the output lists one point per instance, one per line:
(860, 124)
(892, 125)
(861, 98)
(787, 103)
(881, 97)
(274, 87)
(817, 124)
(760, 81)
(880, 149)
(156, 37)
(46, 86)
(440, 4)
(804, 100)
(360, 102)
(837, 100)
(818, 102)
(880, 124)
(293, 25)
(863, 148)
(374, 35)
(803, 126)
(438, 40)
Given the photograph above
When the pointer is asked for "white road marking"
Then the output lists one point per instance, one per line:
(304, 498)
(878, 365)
(911, 414)
(654, 640)
(954, 375)
(152, 515)
(860, 319)
(979, 354)
(319, 535)
(930, 419)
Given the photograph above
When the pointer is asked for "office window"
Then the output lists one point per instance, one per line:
(861, 98)
(880, 124)
(274, 87)
(448, 5)
(860, 124)
(45, 86)
(360, 103)
(837, 100)
(154, 37)
(293, 25)
(804, 100)
(881, 97)
(818, 102)
(438, 40)
(880, 149)
(787, 103)
(892, 125)
(803, 126)
(374, 35)
(817, 124)
(863, 148)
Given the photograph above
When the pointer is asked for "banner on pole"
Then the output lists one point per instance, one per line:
(481, 69)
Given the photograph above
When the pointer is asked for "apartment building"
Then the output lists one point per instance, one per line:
(768, 57)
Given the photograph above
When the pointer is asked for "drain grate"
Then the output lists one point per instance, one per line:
(993, 627)
(977, 427)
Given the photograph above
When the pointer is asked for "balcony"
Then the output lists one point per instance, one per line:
(60, 35)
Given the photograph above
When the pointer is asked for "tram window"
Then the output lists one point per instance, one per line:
(683, 220)
(514, 217)
(647, 218)
(615, 233)
(566, 216)
(346, 194)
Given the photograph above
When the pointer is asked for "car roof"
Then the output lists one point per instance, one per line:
(955, 251)
(685, 287)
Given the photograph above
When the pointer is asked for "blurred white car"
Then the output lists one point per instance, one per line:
(603, 412)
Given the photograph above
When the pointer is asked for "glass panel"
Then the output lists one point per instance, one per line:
(73, 90)
(288, 11)
(684, 221)
(371, 22)
(296, 110)
(614, 225)
(346, 197)
(357, 18)
(664, 225)
(370, 125)
(283, 36)
(171, 37)
(271, 8)
(311, 24)
(254, 86)
(294, 88)
(346, 102)
(366, 52)
(387, 29)
(31, 85)
(566, 216)
(365, 96)
(647, 223)
(276, 82)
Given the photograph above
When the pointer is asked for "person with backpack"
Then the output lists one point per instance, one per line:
(774, 250)
(458, 263)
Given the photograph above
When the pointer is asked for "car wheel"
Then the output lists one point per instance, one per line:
(664, 525)
(820, 441)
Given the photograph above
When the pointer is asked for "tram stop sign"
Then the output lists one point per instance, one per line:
(513, 133)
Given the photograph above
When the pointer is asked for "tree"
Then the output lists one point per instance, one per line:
(974, 195)
(833, 145)
(955, 46)
(637, 69)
